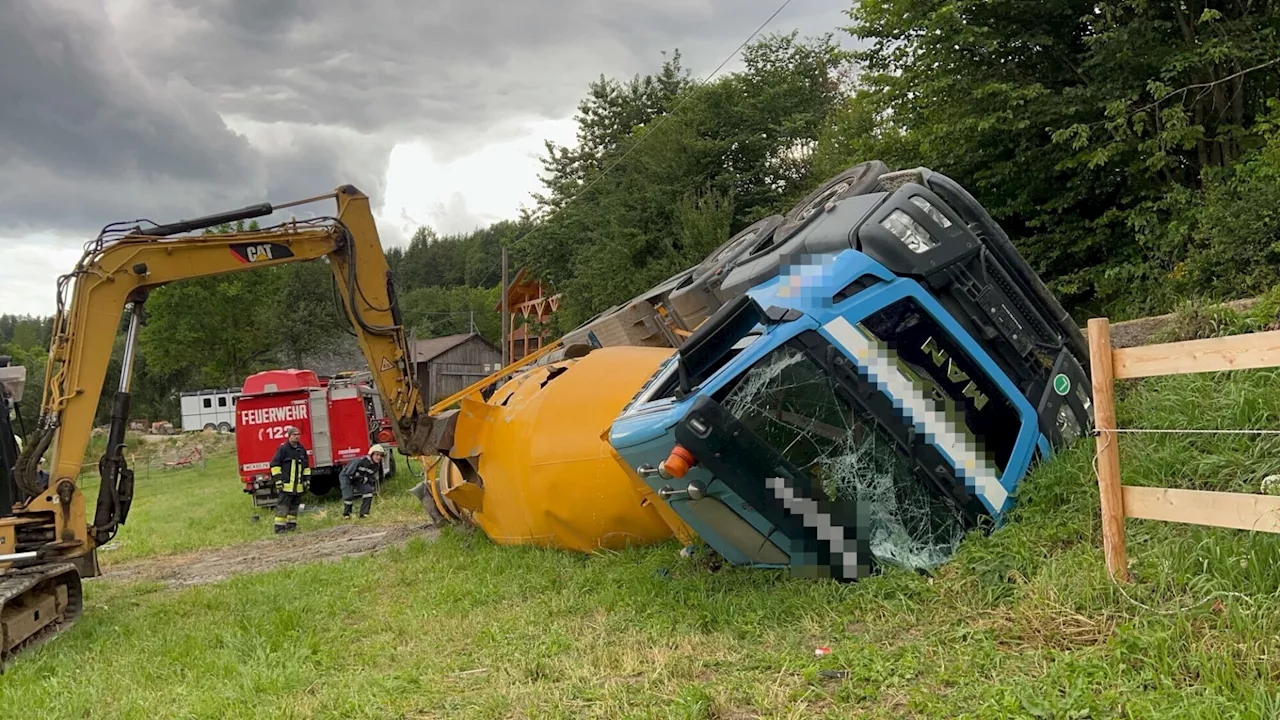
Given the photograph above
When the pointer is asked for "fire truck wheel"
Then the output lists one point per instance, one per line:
(322, 484)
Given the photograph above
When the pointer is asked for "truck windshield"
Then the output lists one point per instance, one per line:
(791, 401)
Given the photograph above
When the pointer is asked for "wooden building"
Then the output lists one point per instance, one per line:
(530, 310)
(446, 365)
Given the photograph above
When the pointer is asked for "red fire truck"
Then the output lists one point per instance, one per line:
(339, 418)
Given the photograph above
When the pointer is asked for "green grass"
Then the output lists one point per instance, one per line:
(1023, 623)
(182, 510)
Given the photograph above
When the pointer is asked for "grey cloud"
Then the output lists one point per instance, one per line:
(450, 72)
(80, 125)
(454, 216)
(114, 111)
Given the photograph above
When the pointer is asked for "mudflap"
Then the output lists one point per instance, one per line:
(37, 603)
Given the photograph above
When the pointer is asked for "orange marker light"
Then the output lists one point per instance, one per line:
(679, 462)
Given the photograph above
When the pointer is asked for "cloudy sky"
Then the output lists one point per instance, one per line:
(166, 109)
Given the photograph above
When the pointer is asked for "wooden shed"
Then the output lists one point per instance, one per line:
(448, 364)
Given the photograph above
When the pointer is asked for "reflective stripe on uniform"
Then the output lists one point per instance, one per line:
(275, 470)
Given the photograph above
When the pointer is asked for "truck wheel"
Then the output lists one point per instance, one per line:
(738, 244)
(322, 484)
(860, 179)
(210, 427)
(224, 427)
(698, 297)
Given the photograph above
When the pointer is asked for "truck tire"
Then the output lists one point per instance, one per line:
(224, 427)
(766, 259)
(323, 483)
(210, 427)
(738, 244)
(698, 297)
(860, 179)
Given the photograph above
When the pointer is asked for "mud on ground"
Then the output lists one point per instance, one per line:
(209, 566)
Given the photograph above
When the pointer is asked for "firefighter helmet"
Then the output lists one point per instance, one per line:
(376, 449)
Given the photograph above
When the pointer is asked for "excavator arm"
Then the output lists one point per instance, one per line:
(48, 526)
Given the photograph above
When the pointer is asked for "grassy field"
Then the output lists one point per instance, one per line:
(1023, 623)
(183, 510)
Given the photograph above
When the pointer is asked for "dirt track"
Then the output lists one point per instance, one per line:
(208, 566)
(1132, 333)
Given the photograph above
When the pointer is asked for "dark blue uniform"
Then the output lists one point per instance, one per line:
(291, 470)
(359, 477)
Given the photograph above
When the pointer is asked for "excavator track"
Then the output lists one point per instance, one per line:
(35, 604)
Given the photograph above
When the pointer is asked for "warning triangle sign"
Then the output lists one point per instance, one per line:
(386, 365)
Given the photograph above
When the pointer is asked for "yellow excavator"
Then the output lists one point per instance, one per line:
(48, 542)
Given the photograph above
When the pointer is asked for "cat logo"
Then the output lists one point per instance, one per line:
(955, 374)
(260, 252)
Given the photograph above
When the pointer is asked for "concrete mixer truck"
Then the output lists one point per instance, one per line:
(864, 380)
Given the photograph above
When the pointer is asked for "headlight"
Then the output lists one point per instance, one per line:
(1084, 400)
(934, 213)
(1067, 424)
(909, 231)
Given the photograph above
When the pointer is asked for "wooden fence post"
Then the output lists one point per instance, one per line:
(1104, 410)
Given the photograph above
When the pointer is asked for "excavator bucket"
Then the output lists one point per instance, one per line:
(533, 465)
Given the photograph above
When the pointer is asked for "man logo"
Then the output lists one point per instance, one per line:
(260, 252)
(955, 374)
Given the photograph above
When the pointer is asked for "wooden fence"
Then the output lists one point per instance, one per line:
(1242, 511)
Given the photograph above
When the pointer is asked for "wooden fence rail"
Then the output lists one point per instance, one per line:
(1242, 511)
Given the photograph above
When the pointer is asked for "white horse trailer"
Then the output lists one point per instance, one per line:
(209, 410)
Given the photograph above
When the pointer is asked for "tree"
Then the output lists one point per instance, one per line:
(225, 327)
(307, 311)
(436, 311)
(678, 156)
(1079, 125)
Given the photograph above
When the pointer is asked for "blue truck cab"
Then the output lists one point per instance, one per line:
(885, 371)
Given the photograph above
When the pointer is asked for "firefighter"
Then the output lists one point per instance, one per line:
(291, 471)
(360, 476)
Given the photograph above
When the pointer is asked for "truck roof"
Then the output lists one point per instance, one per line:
(223, 391)
(274, 381)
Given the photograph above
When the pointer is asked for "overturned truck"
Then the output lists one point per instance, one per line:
(861, 381)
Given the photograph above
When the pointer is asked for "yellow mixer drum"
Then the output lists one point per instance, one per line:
(533, 465)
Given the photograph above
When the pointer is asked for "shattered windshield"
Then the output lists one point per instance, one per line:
(791, 402)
